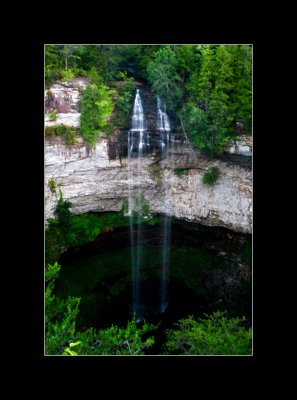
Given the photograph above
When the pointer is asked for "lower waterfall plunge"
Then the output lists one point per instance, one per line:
(164, 127)
(138, 139)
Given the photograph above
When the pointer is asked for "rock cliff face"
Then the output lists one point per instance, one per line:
(99, 180)
(242, 146)
(93, 182)
(64, 98)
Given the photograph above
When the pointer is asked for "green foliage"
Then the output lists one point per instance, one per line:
(187, 61)
(153, 220)
(210, 177)
(68, 133)
(62, 62)
(52, 185)
(53, 247)
(62, 209)
(206, 78)
(95, 77)
(96, 108)
(107, 59)
(141, 212)
(70, 136)
(53, 64)
(124, 102)
(220, 91)
(71, 230)
(60, 328)
(52, 116)
(155, 170)
(180, 171)
(209, 140)
(67, 75)
(143, 55)
(117, 341)
(213, 335)
(164, 79)
(80, 229)
(71, 352)
(60, 315)
(74, 230)
(215, 78)
(52, 272)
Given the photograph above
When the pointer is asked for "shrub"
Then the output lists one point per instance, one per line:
(179, 171)
(61, 334)
(49, 131)
(211, 176)
(70, 136)
(67, 75)
(52, 116)
(95, 77)
(68, 133)
(215, 335)
(155, 171)
(117, 341)
(74, 230)
(60, 315)
(62, 209)
(96, 109)
(52, 185)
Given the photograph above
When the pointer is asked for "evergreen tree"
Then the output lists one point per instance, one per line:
(163, 76)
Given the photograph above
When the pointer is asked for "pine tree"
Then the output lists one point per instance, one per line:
(164, 78)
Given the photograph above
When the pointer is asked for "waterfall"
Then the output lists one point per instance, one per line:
(136, 233)
(163, 126)
(138, 116)
(162, 118)
(138, 145)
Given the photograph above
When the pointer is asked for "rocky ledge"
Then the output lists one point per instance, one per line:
(242, 146)
(172, 185)
(64, 98)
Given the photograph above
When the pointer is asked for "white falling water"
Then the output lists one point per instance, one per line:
(139, 142)
(163, 126)
(162, 118)
(138, 116)
(137, 130)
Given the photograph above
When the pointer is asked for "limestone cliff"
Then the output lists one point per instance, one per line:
(64, 99)
(93, 182)
(98, 180)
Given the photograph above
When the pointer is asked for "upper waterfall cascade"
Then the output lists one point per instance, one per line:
(138, 122)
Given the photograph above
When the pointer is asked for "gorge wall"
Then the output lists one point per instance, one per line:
(93, 182)
(98, 180)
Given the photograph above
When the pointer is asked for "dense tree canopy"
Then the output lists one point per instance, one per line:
(164, 79)
(208, 86)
